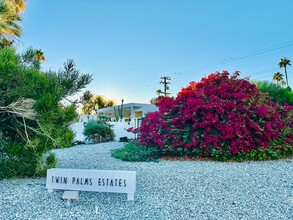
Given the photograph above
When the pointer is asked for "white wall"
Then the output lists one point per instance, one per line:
(77, 128)
(86, 118)
(119, 130)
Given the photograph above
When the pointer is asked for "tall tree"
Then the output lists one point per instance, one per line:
(154, 100)
(31, 58)
(91, 103)
(5, 43)
(9, 17)
(16, 5)
(284, 62)
(278, 77)
(39, 55)
(32, 117)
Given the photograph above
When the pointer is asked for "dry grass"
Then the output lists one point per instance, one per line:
(22, 108)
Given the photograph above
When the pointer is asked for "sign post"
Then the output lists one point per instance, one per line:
(92, 180)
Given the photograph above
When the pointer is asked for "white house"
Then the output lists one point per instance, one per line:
(129, 110)
(133, 114)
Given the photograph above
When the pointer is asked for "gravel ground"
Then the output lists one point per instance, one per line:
(165, 190)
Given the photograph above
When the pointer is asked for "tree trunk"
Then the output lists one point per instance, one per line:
(286, 75)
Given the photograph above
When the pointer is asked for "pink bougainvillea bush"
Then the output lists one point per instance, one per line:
(221, 116)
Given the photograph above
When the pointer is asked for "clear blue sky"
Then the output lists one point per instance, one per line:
(128, 45)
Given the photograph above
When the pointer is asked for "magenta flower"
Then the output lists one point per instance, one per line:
(220, 112)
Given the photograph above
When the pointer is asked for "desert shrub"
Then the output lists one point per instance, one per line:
(98, 131)
(276, 92)
(20, 161)
(134, 152)
(222, 117)
(47, 161)
(32, 119)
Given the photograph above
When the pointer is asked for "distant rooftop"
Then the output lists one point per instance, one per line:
(130, 110)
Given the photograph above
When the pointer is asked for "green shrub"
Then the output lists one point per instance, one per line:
(46, 162)
(19, 161)
(98, 131)
(276, 92)
(271, 153)
(16, 161)
(136, 153)
(32, 119)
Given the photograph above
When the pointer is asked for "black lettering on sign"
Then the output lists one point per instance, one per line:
(124, 183)
(111, 182)
(57, 179)
(120, 182)
(73, 180)
(91, 183)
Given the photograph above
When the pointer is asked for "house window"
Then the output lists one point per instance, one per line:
(138, 114)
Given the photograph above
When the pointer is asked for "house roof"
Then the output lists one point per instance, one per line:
(129, 105)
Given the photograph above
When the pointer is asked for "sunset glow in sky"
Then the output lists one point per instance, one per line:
(128, 45)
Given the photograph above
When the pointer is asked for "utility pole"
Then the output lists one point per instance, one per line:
(165, 80)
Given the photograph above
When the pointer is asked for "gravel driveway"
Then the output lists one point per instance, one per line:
(165, 190)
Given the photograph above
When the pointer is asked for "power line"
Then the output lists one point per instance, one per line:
(262, 76)
(266, 70)
(244, 56)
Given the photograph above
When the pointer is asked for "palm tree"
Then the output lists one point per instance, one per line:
(159, 92)
(39, 56)
(16, 5)
(282, 83)
(5, 43)
(278, 77)
(91, 103)
(9, 16)
(284, 62)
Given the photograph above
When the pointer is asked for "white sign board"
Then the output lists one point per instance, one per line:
(92, 180)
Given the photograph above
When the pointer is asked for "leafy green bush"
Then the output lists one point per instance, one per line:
(98, 131)
(47, 162)
(20, 161)
(32, 118)
(136, 153)
(271, 153)
(276, 92)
